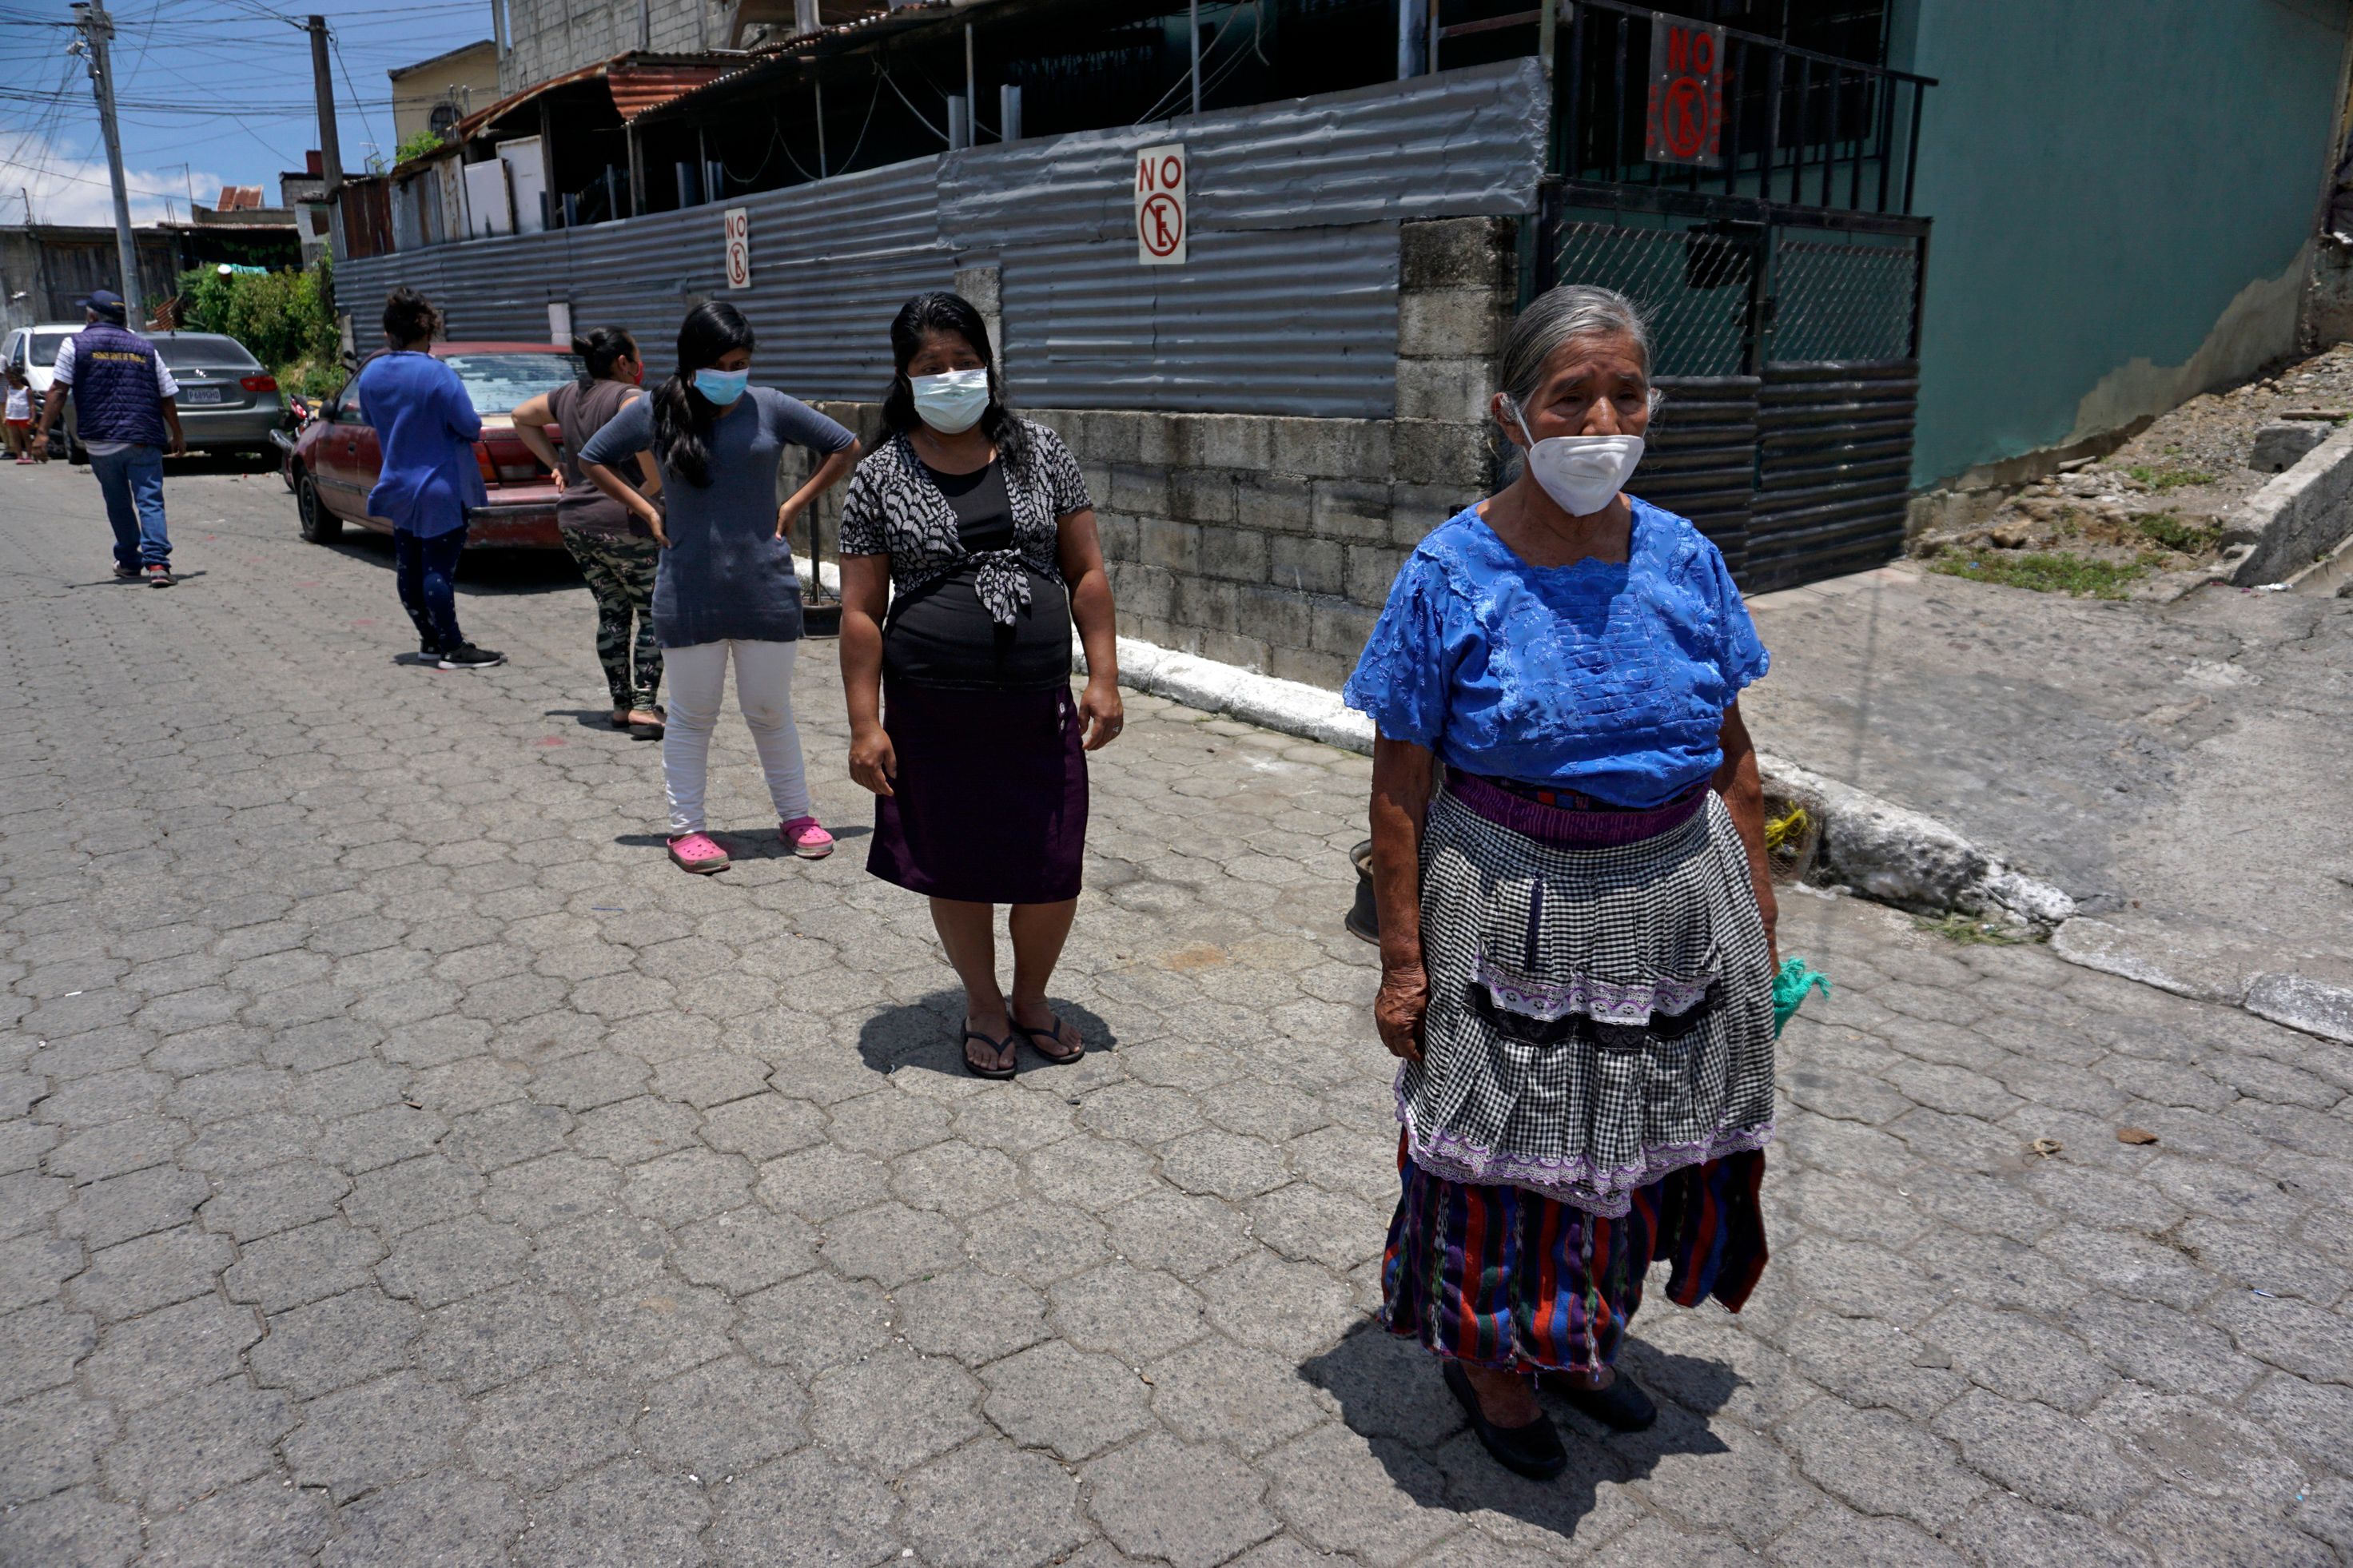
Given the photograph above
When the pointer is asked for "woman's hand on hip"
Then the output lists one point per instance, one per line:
(1102, 714)
(1399, 1009)
(653, 518)
(873, 762)
(786, 514)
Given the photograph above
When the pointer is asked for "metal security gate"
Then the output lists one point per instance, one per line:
(1786, 355)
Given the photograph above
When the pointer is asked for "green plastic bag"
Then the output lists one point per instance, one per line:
(1790, 984)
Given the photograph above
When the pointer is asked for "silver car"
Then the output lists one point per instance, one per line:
(228, 402)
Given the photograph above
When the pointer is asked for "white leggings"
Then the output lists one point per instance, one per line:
(697, 678)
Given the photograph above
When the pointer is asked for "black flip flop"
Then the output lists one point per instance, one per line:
(1533, 1450)
(975, 1068)
(1053, 1031)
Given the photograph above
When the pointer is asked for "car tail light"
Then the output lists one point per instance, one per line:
(498, 472)
(259, 383)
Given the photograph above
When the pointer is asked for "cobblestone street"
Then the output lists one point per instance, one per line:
(405, 1164)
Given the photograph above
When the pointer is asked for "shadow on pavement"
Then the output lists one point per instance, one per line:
(746, 844)
(482, 573)
(926, 1035)
(597, 718)
(1389, 1394)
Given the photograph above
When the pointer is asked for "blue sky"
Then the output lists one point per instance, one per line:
(213, 92)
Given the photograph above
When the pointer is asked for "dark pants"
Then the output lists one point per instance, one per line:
(424, 568)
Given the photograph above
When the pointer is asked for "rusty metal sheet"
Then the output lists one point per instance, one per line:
(639, 87)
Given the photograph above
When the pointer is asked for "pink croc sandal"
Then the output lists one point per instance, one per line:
(805, 838)
(697, 852)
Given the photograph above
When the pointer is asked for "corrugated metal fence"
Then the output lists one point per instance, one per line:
(1287, 304)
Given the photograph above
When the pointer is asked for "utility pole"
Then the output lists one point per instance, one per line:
(330, 155)
(96, 28)
(1194, 10)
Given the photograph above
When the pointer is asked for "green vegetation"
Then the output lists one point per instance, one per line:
(2044, 573)
(1972, 932)
(415, 144)
(2177, 534)
(2164, 479)
(282, 318)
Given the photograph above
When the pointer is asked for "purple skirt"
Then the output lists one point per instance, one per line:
(991, 804)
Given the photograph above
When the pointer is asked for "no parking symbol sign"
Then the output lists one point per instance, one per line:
(1686, 121)
(1163, 183)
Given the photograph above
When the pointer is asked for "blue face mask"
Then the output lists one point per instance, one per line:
(721, 387)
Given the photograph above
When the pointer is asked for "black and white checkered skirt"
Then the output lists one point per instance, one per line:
(1599, 1016)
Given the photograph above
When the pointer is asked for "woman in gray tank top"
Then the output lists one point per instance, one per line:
(616, 552)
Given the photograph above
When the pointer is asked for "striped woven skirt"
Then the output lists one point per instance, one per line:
(1503, 1276)
(1596, 1085)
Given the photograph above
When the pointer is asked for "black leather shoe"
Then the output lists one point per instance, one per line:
(1622, 1406)
(1533, 1450)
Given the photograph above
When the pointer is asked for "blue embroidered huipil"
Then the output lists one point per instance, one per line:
(1608, 679)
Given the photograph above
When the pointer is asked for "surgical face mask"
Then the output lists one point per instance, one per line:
(1583, 473)
(953, 402)
(721, 387)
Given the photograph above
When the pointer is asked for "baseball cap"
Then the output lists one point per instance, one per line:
(105, 301)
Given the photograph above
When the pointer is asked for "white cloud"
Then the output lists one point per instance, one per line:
(68, 186)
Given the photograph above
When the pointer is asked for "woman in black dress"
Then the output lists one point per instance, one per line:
(961, 715)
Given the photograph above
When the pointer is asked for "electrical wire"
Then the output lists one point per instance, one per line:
(910, 106)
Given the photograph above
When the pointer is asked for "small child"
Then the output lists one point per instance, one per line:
(20, 416)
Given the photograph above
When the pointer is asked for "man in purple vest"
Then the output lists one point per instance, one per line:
(125, 411)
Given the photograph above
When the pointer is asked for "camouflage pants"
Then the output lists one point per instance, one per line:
(620, 574)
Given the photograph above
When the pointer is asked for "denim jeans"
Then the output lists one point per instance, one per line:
(132, 482)
(424, 568)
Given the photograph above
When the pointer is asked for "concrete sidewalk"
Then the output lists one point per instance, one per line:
(2185, 772)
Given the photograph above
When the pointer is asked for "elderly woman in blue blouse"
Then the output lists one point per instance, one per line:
(1576, 919)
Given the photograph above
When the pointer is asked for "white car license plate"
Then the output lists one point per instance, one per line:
(193, 394)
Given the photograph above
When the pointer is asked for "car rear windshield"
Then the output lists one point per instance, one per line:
(211, 353)
(499, 383)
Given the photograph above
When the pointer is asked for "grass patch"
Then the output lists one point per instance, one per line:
(2176, 533)
(2163, 480)
(2044, 573)
(1972, 932)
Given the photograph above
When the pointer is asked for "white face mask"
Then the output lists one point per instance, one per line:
(952, 401)
(1581, 472)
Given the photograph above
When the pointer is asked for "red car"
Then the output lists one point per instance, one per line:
(332, 464)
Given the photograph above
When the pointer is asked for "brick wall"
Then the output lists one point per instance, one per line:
(1270, 542)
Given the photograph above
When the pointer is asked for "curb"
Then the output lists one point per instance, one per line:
(1877, 847)
(1884, 851)
(2293, 520)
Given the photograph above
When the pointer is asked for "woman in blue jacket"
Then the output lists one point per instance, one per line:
(426, 427)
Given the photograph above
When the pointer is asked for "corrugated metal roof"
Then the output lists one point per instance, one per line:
(651, 67)
(637, 88)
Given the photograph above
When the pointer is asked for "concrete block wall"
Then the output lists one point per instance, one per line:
(1270, 542)
(552, 37)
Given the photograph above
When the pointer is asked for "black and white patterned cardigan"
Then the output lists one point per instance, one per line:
(893, 508)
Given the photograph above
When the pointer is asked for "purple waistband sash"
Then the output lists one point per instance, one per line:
(1565, 828)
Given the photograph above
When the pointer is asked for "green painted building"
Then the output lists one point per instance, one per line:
(2124, 193)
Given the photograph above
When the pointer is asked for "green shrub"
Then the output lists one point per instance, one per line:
(2071, 574)
(2170, 530)
(415, 144)
(281, 317)
(2163, 480)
